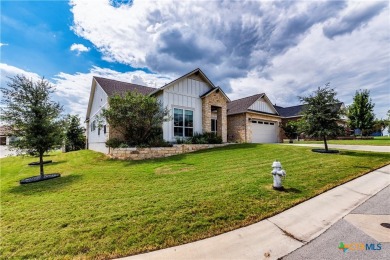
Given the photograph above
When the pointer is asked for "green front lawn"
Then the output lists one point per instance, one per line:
(103, 208)
(381, 141)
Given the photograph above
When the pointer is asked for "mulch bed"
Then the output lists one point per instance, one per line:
(37, 163)
(39, 178)
(324, 151)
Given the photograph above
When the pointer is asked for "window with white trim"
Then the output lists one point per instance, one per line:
(183, 122)
(93, 126)
(214, 125)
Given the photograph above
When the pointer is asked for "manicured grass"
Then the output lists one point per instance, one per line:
(381, 141)
(103, 208)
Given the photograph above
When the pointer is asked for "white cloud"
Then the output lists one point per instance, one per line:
(3, 44)
(349, 62)
(8, 71)
(284, 48)
(224, 37)
(72, 90)
(277, 47)
(79, 48)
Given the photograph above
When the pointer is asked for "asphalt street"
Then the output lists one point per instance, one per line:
(374, 211)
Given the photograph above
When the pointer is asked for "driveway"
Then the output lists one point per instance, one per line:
(368, 148)
(4, 151)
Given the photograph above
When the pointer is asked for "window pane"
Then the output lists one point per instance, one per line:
(189, 132)
(189, 121)
(178, 131)
(178, 117)
(213, 125)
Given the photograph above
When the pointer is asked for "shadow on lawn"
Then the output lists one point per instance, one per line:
(291, 190)
(44, 186)
(364, 154)
(49, 164)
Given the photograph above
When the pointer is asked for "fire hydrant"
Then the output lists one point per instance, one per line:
(278, 173)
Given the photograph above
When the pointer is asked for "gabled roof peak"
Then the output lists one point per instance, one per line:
(112, 86)
(241, 105)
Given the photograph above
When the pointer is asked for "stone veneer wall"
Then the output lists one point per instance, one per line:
(236, 128)
(215, 99)
(158, 152)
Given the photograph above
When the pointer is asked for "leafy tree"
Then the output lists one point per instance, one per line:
(74, 136)
(361, 112)
(321, 114)
(291, 130)
(32, 116)
(138, 118)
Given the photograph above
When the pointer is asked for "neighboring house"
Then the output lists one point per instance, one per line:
(253, 119)
(195, 104)
(294, 113)
(5, 138)
(385, 132)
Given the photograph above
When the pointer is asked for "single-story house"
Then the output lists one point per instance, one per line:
(196, 104)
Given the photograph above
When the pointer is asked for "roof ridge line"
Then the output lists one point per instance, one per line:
(124, 82)
(248, 97)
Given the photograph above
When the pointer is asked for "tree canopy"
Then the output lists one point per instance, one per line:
(361, 112)
(291, 129)
(74, 135)
(138, 118)
(32, 116)
(321, 114)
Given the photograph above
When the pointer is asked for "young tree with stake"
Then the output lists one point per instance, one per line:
(321, 114)
(32, 116)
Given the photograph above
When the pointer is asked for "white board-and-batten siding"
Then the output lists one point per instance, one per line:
(184, 94)
(97, 142)
(262, 106)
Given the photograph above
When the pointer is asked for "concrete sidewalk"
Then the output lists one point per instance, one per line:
(278, 236)
(368, 224)
(368, 148)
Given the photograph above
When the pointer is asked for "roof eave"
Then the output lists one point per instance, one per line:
(91, 96)
(263, 113)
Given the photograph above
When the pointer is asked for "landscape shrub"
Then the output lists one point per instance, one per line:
(114, 143)
(198, 138)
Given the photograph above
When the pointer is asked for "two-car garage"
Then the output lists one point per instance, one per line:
(264, 131)
(253, 119)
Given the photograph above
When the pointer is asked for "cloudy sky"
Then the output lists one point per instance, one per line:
(283, 48)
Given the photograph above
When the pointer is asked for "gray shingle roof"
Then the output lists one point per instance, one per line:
(241, 105)
(295, 111)
(112, 87)
(289, 111)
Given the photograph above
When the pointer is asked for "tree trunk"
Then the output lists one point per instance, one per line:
(41, 165)
(325, 143)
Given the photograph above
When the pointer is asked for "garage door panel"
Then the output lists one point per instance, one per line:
(264, 132)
